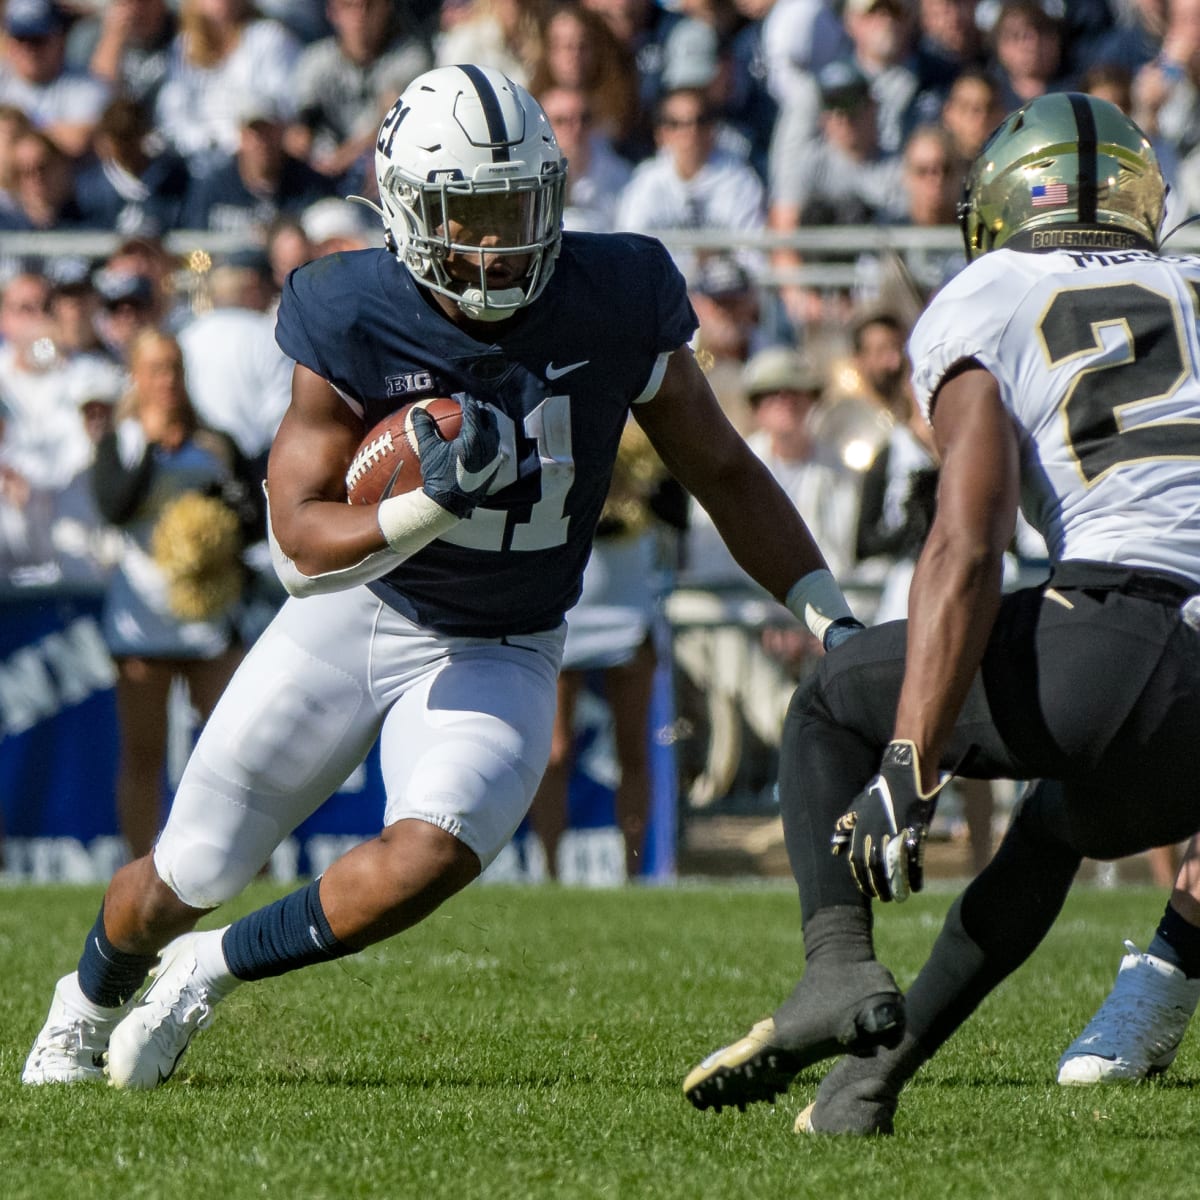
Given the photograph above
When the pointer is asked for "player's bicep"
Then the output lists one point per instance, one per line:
(688, 428)
(306, 480)
(314, 444)
(976, 439)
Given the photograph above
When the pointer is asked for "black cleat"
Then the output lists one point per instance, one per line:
(860, 1095)
(808, 1027)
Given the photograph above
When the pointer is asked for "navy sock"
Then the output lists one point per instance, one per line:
(108, 976)
(290, 933)
(1177, 942)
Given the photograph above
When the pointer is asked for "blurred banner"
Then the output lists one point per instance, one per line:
(58, 759)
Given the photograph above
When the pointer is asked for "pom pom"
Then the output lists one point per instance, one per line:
(197, 545)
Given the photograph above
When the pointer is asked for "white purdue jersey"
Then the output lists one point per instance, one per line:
(1097, 356)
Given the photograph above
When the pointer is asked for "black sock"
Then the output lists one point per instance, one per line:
(840, 933)
(1178, 942)
(108, 976)
(292, 932)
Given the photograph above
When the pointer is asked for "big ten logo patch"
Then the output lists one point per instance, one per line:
(405, 385)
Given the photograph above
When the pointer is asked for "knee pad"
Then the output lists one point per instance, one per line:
(208, 861)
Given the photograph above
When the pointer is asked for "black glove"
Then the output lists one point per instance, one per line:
(458, 473)
(842, 630)
(884, 829)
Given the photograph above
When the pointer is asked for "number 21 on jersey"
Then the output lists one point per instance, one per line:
(544, 524)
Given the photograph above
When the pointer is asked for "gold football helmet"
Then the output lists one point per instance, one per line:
(1065, 171)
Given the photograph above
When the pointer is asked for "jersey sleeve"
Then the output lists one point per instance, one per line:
(291, 330)
(676, 320)
(966, 319)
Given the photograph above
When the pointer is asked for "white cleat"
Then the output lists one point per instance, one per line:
(145, 1048)
(70, 1047)
(1137, 1030)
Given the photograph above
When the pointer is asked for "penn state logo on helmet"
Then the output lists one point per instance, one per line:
(463, 152)
(1065, 171)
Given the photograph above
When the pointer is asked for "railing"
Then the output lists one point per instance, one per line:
(827, 250)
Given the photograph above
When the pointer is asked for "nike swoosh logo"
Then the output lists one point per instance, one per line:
(469, 481)
(553, 372)
(885, 794)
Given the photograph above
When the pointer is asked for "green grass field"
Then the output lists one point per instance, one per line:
(530, 1042)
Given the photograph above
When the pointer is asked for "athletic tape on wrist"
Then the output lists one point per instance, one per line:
(411, 521)
(296, 583)
(817, 600)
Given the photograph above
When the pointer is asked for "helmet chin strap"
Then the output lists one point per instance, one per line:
(471, 301)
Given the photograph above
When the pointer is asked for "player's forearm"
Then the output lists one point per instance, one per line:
(952, 606)
(319, 536)
(346, 558)
(763, 530)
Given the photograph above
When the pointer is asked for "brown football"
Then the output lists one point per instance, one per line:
(386, 462)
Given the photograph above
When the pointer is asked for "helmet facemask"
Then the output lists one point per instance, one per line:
(455, 220)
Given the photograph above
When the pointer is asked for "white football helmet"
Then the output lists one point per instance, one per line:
(465, 151)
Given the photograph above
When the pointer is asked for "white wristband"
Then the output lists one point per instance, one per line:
(411, 521)
(817, 600)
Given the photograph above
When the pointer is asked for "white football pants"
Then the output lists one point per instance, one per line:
(464, 727)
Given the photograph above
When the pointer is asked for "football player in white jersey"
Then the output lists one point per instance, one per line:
(433, 620)
(1061, 368)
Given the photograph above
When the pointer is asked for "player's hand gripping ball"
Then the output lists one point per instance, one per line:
(388, 462)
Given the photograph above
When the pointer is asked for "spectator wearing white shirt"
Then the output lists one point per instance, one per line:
(799, 38)
(841, 177)
(64, 103)
(26, 514)
(223, 52)
(238, 379)
(738, 652)
(691, 183)
(44, 440)
(883, 34)
(86, 547)
(597, 174)
(347, 82)
(784, 390)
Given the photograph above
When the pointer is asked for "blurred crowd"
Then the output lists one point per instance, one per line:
(159, 121)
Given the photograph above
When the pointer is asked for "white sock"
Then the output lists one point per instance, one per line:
(210, 959)
(71, 994)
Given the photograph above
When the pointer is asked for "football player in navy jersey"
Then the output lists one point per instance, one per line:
(434, 620)
(1062, 366)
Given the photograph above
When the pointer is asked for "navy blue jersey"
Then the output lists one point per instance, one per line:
(222, 202)
(562, 374)
(151, 204)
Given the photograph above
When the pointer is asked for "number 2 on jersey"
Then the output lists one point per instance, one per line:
(1103, 396)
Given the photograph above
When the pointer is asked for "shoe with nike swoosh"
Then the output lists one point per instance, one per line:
(70, 1047)
(145, 1048)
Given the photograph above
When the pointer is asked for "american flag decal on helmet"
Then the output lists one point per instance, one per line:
(1046, 195)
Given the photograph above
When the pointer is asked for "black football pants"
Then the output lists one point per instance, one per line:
(1092, 679)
